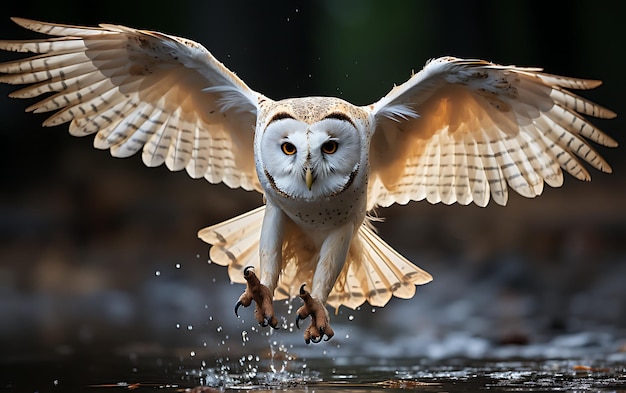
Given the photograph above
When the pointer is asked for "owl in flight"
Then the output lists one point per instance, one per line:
(457, 131)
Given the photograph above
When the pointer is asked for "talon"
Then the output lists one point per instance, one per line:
(269, 322)
(316, 340)
(239, 304)
(298, 319)
(320, 328)
(261, 296)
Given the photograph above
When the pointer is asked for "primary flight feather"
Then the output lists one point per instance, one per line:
(457, 131)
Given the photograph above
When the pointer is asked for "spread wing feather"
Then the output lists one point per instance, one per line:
(461, 130)
(141, 90)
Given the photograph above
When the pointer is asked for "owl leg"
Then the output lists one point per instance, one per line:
(261, 291)
(333, 255)
(262, 296)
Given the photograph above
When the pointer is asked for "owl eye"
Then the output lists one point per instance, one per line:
(288, 148)
(330, 147)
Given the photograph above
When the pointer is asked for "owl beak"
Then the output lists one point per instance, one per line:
(308, 178)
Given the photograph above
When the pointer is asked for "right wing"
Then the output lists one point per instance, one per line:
(462, 130)
(141, 90)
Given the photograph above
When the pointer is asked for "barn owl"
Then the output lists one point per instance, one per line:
(457, 131)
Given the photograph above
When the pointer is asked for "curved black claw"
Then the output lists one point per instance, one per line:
(298, 319)
(302, 291)
(245, 270)
(239, 304)
(268, 322)
(316, 340)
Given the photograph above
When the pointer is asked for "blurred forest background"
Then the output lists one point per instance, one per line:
(100, 254)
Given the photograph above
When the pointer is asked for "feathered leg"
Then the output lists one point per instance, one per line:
(261, 290)
(332, 258)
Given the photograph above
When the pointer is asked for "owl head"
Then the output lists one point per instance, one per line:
(310, 148)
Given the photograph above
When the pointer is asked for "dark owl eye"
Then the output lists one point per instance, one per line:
(288, 148)
(329, 147)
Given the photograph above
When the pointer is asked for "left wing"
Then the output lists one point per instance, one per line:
(141, 90)
(461, 130)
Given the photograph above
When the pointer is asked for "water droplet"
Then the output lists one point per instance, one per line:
(347, 336)
(189, 327)
(178, 326)
(157, 273)
(351, 317)
(219, 329)
(178, 266)
(192, 353)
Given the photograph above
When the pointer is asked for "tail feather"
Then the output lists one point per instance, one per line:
(235, 242)
(374, 272)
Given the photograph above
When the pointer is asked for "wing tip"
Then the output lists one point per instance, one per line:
(24, 22)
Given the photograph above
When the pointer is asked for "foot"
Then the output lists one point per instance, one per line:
(320, 322)
(262, 296)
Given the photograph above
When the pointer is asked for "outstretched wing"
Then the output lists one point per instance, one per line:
(141, 90)
(461, 130)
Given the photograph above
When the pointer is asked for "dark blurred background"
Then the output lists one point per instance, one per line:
(100, 255)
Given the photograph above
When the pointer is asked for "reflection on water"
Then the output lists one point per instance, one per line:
(317, 375)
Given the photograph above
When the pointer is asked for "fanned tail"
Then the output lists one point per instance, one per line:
(374, 272)
(236, 242)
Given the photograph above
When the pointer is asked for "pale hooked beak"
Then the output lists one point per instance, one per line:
(308, 178)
